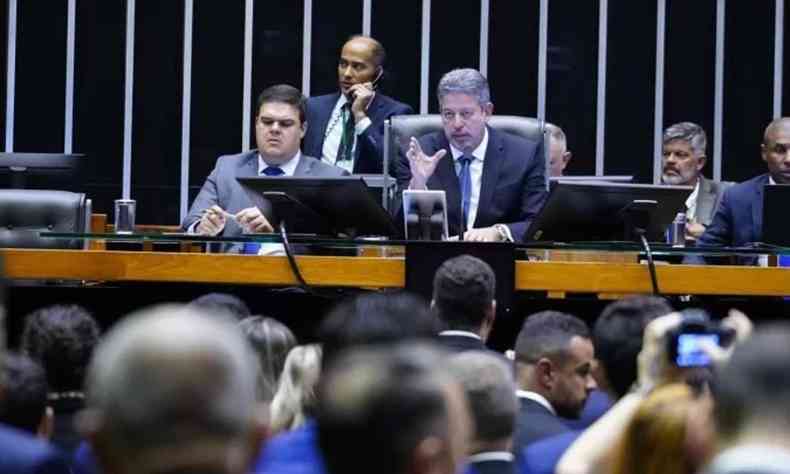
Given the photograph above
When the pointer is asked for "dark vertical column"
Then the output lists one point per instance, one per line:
(333, 23)
(396, 24)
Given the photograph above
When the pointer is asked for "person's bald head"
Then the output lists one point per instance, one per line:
(168, 382)
(775, 149)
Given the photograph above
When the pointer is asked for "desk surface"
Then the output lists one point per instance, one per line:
(379, 272)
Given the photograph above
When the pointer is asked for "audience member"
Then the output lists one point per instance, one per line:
(670, 433)
(495, 202)
(463, 296)
(171, 390)
(272, 340)
(617, 338)
(391, 411)
(294, 401)
(554, 364)
(222, 304)
(223, 206)
(24, 396)
(347, 127)
(488, 384)
(738, 219)
(684, 158)
(751, 397)
(559, 156)
(372, 319)
(61, 339)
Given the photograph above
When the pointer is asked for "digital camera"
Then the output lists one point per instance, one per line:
(684, 343)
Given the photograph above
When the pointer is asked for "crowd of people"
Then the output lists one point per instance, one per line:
(396, 385)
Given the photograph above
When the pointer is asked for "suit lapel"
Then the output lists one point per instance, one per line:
(705, 199)
(447, 180)
(319, 128)
(491, 165)
(757, 209)
(249, 165)
(303, 167)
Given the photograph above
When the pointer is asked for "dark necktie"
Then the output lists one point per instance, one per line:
(346, 147)
(273, 171)
(465, 183)
(252, 248)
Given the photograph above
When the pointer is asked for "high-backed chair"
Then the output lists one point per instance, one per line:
(400, 128)
(26, 212)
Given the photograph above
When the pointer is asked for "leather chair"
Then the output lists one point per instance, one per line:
(400, 128)
(26, 212)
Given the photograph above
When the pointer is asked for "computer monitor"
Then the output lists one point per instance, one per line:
(608, 179)
(776, 225)
(39, 170)
(338, 206)
(576, 212)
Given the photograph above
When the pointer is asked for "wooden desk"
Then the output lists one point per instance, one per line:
(612, 278)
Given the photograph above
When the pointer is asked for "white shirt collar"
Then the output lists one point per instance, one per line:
(491, 456)
(461, 333)
(537, 398)
(289, 167)
(771, 180)
(691, 201)
(479, 153)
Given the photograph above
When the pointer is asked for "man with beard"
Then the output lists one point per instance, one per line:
(553, 367)
(684, 158)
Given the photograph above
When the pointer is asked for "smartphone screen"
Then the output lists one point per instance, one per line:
(690, 353)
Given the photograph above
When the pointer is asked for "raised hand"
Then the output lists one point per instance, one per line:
(421, 165)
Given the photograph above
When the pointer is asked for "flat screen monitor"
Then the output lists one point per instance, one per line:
(776, 225)
(578, 212)
(40, 170)
(608, 179)
(338, 206)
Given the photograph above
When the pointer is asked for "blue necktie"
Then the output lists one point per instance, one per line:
(465, 183)
(252, 248)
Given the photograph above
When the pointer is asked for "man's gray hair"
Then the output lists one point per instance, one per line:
(689, 132)
(464, 81)
(170, 376)
(556, 133)
(491, 392)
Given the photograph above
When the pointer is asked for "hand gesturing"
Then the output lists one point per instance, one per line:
(421, 165)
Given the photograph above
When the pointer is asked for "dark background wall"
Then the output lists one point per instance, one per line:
(217, 77)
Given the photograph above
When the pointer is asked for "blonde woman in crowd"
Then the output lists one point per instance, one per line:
(295, 397)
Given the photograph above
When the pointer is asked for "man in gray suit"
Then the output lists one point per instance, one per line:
(684, 158)
(223, 206)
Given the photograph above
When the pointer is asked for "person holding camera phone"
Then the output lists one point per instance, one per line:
(347, 127)
(658, 367)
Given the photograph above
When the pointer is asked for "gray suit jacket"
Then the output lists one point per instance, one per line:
(710, 193)
(222, 189)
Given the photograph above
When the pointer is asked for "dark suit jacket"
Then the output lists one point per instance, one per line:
(490, 467)
(513, 185)
(535, 422)
(369, 154)
(542, 457)
(738, 221)
(221, 187)
(21, 453)
(455, 343)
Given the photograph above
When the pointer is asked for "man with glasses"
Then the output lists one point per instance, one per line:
(738, 220)
(348, 126)
(495, 181)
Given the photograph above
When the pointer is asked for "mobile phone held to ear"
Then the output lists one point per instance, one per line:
(374, 84)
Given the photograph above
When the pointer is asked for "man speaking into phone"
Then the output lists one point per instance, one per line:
(347, 127)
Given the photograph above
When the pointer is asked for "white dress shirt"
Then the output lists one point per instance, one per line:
(455, 332)
(691, 203)
(475, 173)
(334, 133)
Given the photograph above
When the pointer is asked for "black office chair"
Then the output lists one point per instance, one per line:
(400, 128)
(26, 212)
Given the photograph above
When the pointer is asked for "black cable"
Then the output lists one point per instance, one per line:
(651, 265)
(292, 260)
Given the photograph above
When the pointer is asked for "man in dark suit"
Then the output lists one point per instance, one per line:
(347, 127)
(488, 384)
(684, 157)
(463, 295)
(223, 206)
(554, 365)
(495, 182)
(739, 218)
